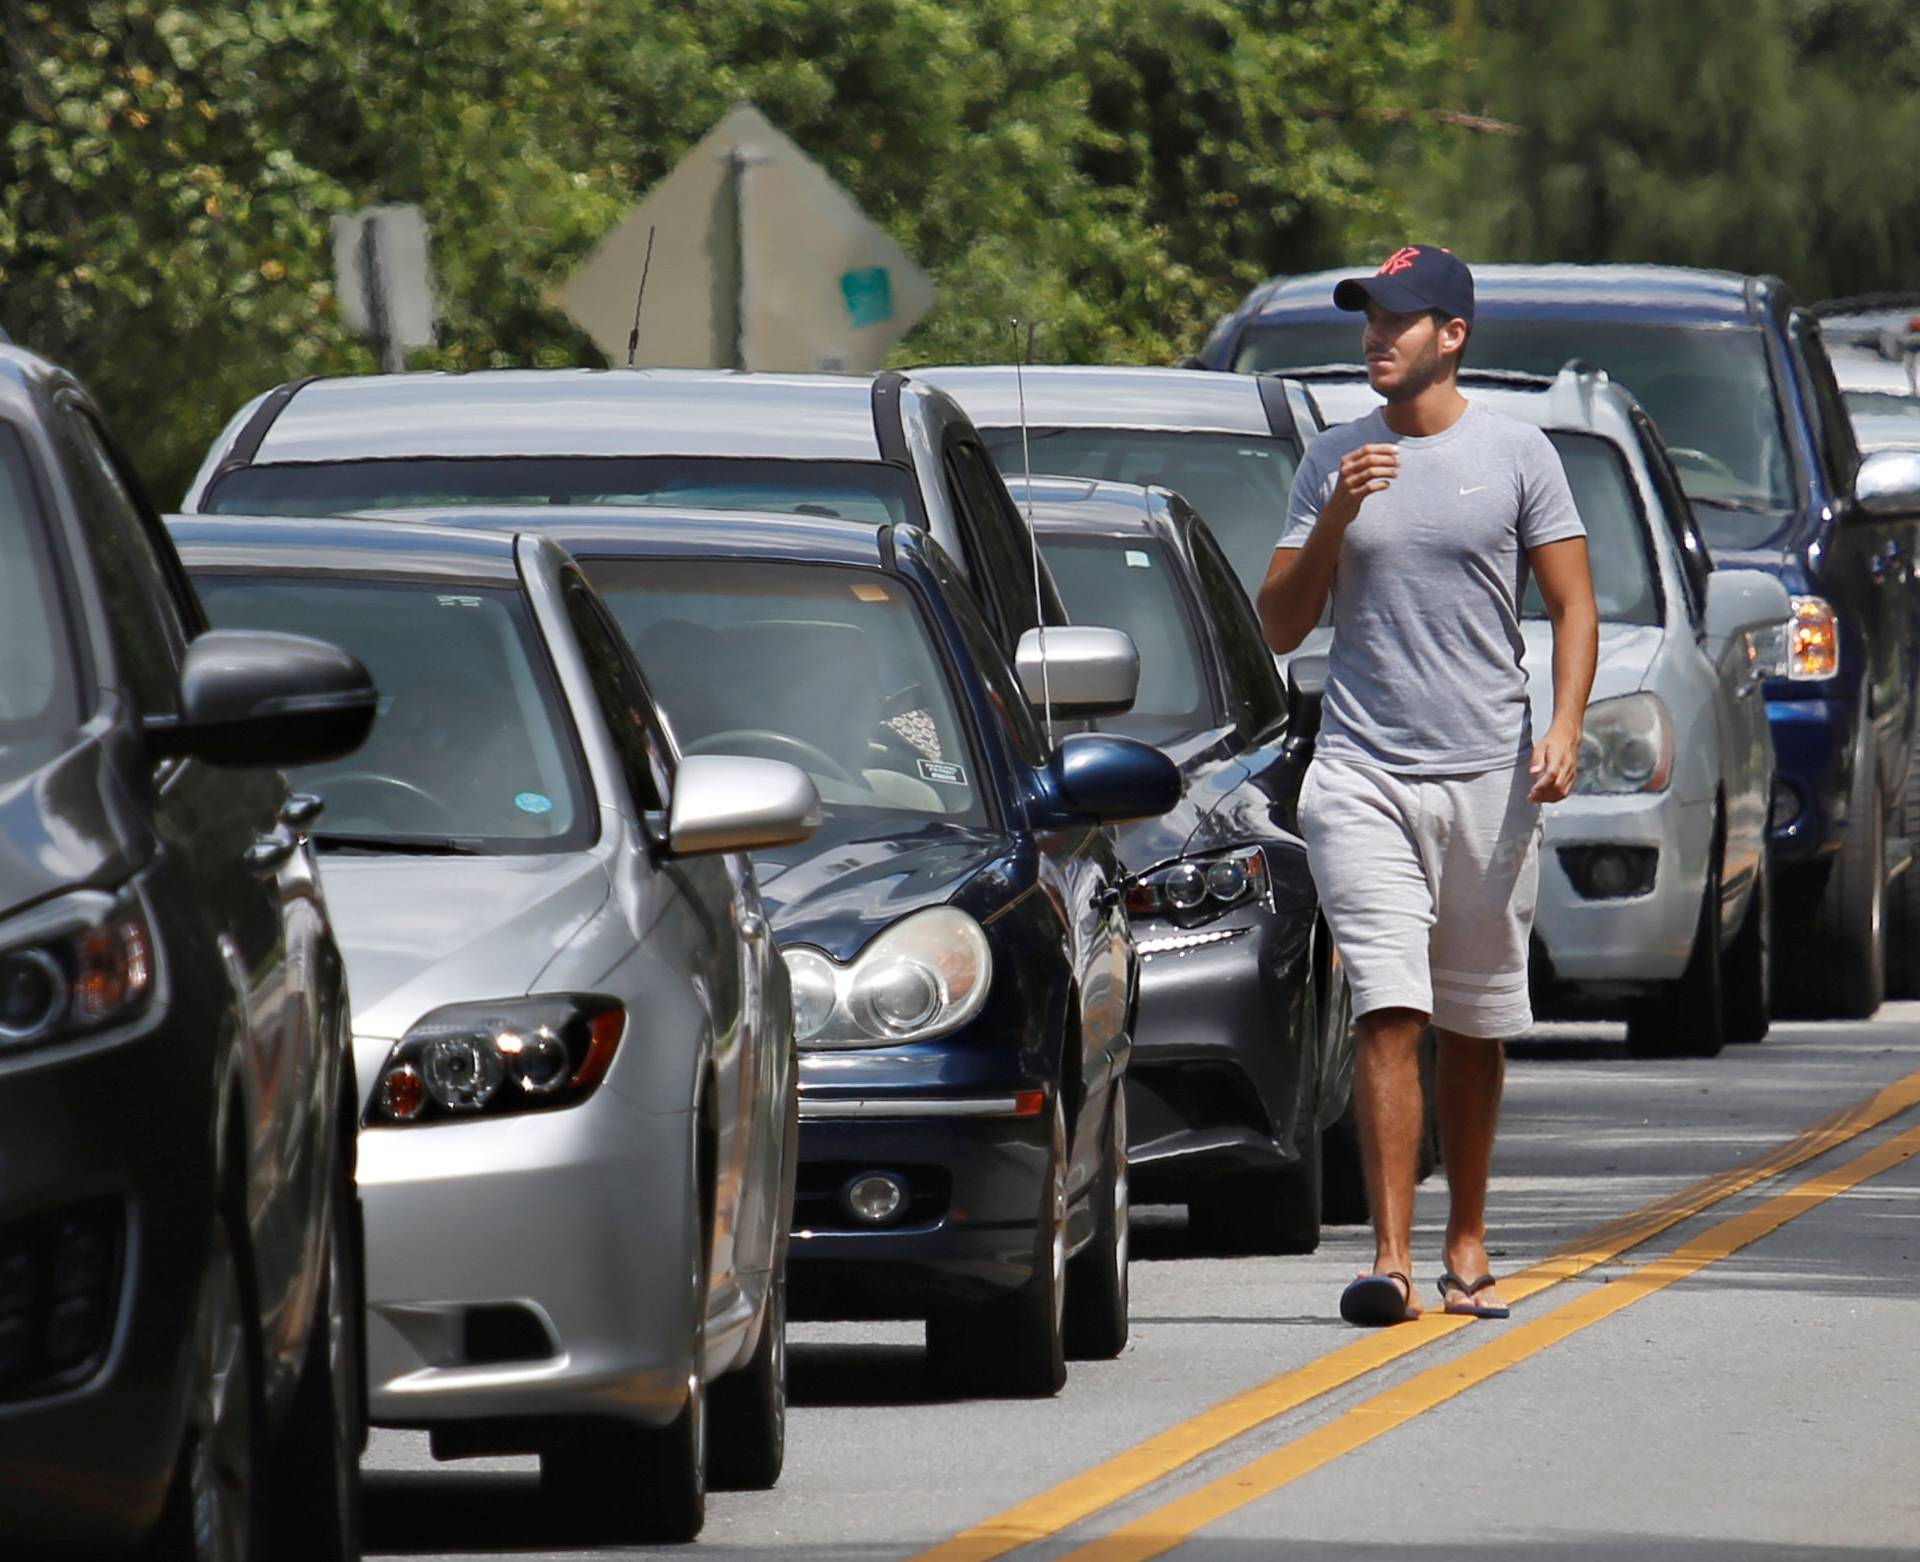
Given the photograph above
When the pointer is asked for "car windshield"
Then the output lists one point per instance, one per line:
(471, 749)
(856, 490)
(1129, 583)
(1238, 482)
(38, 696)
(831, 667)
(1618, 547)
(1709, 388)
(1883, 420)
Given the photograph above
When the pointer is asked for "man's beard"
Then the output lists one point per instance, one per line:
(1421, 376)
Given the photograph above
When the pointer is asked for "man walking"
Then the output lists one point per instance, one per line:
(1421, 809)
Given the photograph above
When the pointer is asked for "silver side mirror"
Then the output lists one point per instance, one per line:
(1088, 671)
(731, 803)
(1749, 602)
(1889, 483)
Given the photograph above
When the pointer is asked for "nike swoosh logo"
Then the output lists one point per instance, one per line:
(1465, 491)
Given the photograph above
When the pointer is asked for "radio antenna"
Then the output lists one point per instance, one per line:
(633, 336)
(1020, 357)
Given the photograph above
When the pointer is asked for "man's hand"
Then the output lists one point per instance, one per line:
(1555, 766)
(1364, 471)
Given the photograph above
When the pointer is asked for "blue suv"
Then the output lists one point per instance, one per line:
(1736, 376)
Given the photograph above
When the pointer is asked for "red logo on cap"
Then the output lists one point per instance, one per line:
(1399, 261)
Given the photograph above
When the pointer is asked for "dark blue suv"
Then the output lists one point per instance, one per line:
(1736, 376)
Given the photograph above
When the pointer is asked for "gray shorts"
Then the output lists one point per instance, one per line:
(1428, 883)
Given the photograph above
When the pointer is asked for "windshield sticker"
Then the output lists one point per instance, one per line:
(944, 773)
(1138, 560)
(864, 592)
(533, 803)
(457, 601)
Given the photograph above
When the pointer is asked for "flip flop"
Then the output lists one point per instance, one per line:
(1373, 1301)
(1469, 1308)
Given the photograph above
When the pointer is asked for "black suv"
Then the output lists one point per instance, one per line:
(179, 1271)
(1736, 376)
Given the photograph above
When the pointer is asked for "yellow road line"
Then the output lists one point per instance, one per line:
(1174, 1524)
(1080, 1496)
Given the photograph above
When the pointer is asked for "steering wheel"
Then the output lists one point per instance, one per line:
(333, 786)
(1686, 455)
(784, 746)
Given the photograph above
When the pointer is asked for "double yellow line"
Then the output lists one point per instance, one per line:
(1128, 1473)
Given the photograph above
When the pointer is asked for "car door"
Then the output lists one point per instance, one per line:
(251, 877)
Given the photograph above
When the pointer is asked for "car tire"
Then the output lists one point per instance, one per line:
(1689, 1019)
(212, 1513)
(1015, 1345)
(1903, 898)
(1841, 970)
(1747, 969)
(749, 1406)
(1097, 1283)
(1343, 1178)
(314, 1490)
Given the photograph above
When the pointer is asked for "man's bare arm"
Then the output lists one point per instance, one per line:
(1566, 586)
(1294, 594)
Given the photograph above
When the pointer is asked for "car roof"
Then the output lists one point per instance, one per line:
(1577, 400)
(342, 545)
(589, 531)
(1095, 505)
(573, 412)
(1645, 293)
(1092, 396)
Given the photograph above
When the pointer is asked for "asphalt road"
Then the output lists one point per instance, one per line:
(1740, 1383)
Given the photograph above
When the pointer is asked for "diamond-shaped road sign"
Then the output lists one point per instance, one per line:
(760, 261)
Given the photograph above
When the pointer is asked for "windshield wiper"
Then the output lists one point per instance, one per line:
(397, 845)
(1745, 506)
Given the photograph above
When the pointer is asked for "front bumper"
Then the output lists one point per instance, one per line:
(531, 1266)
(1600, 948)
(1220, 1062)
(1813, 749)
(125, 1129)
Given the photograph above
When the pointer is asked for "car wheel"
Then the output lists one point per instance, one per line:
(1748, 966)
(1840, 972)
(1688, 1020)
(749, 1406)
(1097, 1288)
(1903, 907)
(212, 1512)
(314, 1512)
(1015, 1345)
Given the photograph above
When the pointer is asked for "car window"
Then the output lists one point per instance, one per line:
(625, 702)
(1883, 420)
(149, 625)
(831, 667)
(996, 532)
(854, 490)
(1696, 563)
(472, 742)
(1132, 583)
(1833, 429)
(1619, 551)
(1239, 482)
(1255, 691)
(39, 694)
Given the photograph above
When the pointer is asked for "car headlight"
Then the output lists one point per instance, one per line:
(1198, 888)
(93, 966)
(924, 976)
(1626, 745)
(1813, 640)
(517, 1055)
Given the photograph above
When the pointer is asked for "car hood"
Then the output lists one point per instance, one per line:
(1626, 656)
(65, 821)
(860, 873)
(1214, 770)
(419, 932)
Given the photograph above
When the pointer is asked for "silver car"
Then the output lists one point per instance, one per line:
(1654, 885)
(572, 1029)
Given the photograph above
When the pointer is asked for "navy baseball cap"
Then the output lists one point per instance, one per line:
(1417, 277)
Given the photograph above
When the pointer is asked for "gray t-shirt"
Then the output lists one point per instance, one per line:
(1425, 675)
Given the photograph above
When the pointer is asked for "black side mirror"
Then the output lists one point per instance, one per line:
(1306, 689)
(255, 699)
(1109, 779)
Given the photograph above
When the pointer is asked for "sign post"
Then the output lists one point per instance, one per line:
(382, 278)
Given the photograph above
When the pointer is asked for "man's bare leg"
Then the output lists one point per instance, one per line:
(1471, 1073)
(1391, 1113)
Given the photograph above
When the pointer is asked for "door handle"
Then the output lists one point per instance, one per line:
(267, 853)
(301, 809)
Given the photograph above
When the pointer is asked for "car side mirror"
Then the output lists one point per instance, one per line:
(1306, 692)
(1888, 484)
(1088, 671)
(256, 699)
(1108, 779)
(1745, 601)
(733, 803)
